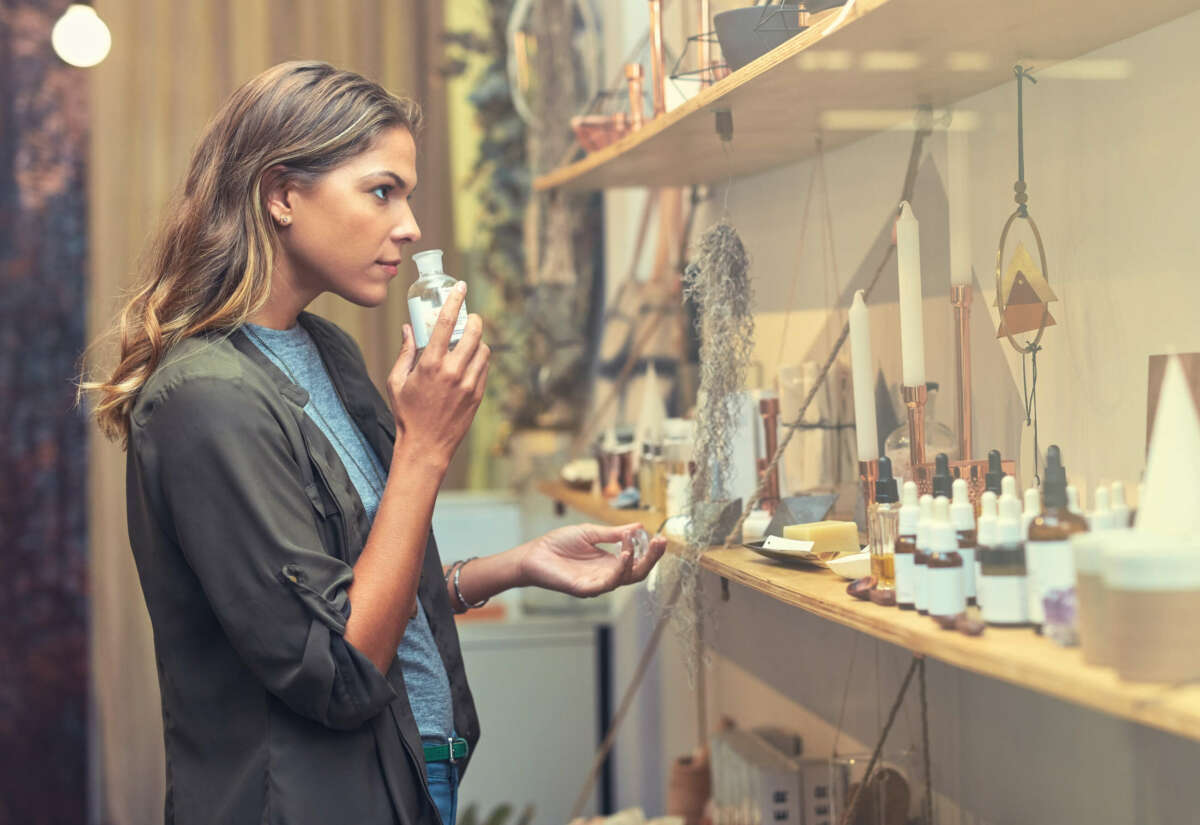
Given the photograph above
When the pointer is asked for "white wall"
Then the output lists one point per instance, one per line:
(1112, 177)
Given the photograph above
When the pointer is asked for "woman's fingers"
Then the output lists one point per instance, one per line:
(443, 329)
(643, 566)
(477, 365)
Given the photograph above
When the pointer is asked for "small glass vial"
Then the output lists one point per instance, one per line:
(1002, 587)
(921, 557)
(944, 572)
(962, 516)
(426, 296)
(906, 548)
(887, 523)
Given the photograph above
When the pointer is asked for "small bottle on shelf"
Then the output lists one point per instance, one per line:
(985, 538)
(1002, 587)
(1073, 500)
(995, 473)
(1101, 517)
(1032, 509)
(1048, 555)
(887, 523)
(921, 557)
(1119, 506)
(906, 548)
(962, 516)
(945, 566)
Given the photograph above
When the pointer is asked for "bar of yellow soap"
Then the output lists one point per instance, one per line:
(829, 538)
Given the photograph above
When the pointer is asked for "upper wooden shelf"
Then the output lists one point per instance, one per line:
(849, 76)
(1019, 657)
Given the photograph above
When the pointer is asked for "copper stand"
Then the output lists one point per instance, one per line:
(769, 409)
(658, 70)
(705, 55)
(960, 298)
(914, 399)
(637, 111)
(868, 474)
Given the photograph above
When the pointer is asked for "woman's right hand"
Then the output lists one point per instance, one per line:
(434, 399)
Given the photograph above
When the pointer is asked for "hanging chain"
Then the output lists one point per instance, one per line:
(1021, 197)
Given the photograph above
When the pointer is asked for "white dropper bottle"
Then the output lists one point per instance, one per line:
(1120, 507)
(1102, 517)
(962, 517)
(1033, 509)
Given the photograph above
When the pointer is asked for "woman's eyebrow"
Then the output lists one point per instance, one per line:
(388, 174)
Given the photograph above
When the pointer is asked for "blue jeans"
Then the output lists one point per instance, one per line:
(443, 787)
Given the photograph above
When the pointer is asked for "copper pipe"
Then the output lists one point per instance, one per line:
(868, 474)
(960, 297)
(637, 107)
(769, 409)
(658, 71)
(705, 31)
(914, 400)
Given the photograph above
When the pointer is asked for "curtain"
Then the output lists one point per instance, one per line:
(171, 66)
(43, 464)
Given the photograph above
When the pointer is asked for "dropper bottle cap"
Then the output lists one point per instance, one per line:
(910, 509)
(941, 510)
(941, 477)
(995, 472)
(1073, 498)
(885, 486)
(1054, 491)
(988, 511)
(925, 521)
(1008, 526)
(1101, 517)
(962, 514)
(1033, 503)
(942, 536)
(429, 262)
(1008, 486)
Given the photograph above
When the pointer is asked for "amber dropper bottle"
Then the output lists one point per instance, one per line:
(1048, 555)
(962, 516)
(887, 522)
(906, 547)
(921, 557)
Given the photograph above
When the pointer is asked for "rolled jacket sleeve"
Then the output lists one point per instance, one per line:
(234, 500)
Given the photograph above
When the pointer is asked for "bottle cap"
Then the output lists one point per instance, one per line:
(1008, 525)
(987, 519)
(1118, 496)
(429, 262)
(1054, 488)
(995, 472)
(1008, 486)
(910, 509)
(962, 514)
(1033, 503)
(1101, 518)
(945, 537)
(941, 476)
(925, 521)
(1073, 498)
(885, 487)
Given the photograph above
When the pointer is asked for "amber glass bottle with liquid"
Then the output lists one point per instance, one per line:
(1048, 555)
(887, 522)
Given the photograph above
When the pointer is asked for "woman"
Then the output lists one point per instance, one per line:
(279, 508)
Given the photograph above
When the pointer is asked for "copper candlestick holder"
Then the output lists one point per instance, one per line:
(769, 409)
(637, 113)
(960, 298)
(868, 474)
(914, 400)
(658, 68)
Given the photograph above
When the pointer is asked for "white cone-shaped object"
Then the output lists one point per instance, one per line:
(1172, 485)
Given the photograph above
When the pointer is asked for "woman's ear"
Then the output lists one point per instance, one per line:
(276, 193)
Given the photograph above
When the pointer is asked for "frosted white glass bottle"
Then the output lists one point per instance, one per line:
(426, 296)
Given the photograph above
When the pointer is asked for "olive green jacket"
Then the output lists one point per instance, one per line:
(245, 528)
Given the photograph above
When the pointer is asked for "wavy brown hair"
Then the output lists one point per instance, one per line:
(209, 264)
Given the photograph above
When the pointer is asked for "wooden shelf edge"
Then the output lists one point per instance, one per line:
(1019, 657)
(709, 98)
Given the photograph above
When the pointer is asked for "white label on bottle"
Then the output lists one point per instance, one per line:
(906, 592)
(424, 315)
(945, 591)
(1051, 566)
(968, 570)
(921, 588)
(1003, 599)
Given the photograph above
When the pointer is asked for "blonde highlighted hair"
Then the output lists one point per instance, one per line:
(209, 264)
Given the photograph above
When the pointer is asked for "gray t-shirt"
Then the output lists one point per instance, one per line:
(294, 352)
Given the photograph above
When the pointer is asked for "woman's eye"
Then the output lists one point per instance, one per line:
(381, 192)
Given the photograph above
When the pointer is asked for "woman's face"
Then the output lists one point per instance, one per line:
(348, 231)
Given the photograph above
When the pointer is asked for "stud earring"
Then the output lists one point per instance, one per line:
(285, 219)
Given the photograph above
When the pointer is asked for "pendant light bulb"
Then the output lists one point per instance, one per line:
(80, 37)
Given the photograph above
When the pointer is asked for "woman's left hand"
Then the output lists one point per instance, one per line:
(567, 560)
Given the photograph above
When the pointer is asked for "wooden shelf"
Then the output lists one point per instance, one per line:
(1019, 657)
(852, 75)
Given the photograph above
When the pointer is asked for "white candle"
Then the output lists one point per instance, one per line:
(912, 330)
(864, 394)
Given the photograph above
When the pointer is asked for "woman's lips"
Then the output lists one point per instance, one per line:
(389, 268)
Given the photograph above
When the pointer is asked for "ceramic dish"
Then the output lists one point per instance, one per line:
(852, 565)
(788, 555)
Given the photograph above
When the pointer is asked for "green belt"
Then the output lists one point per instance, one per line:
(453, 750)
